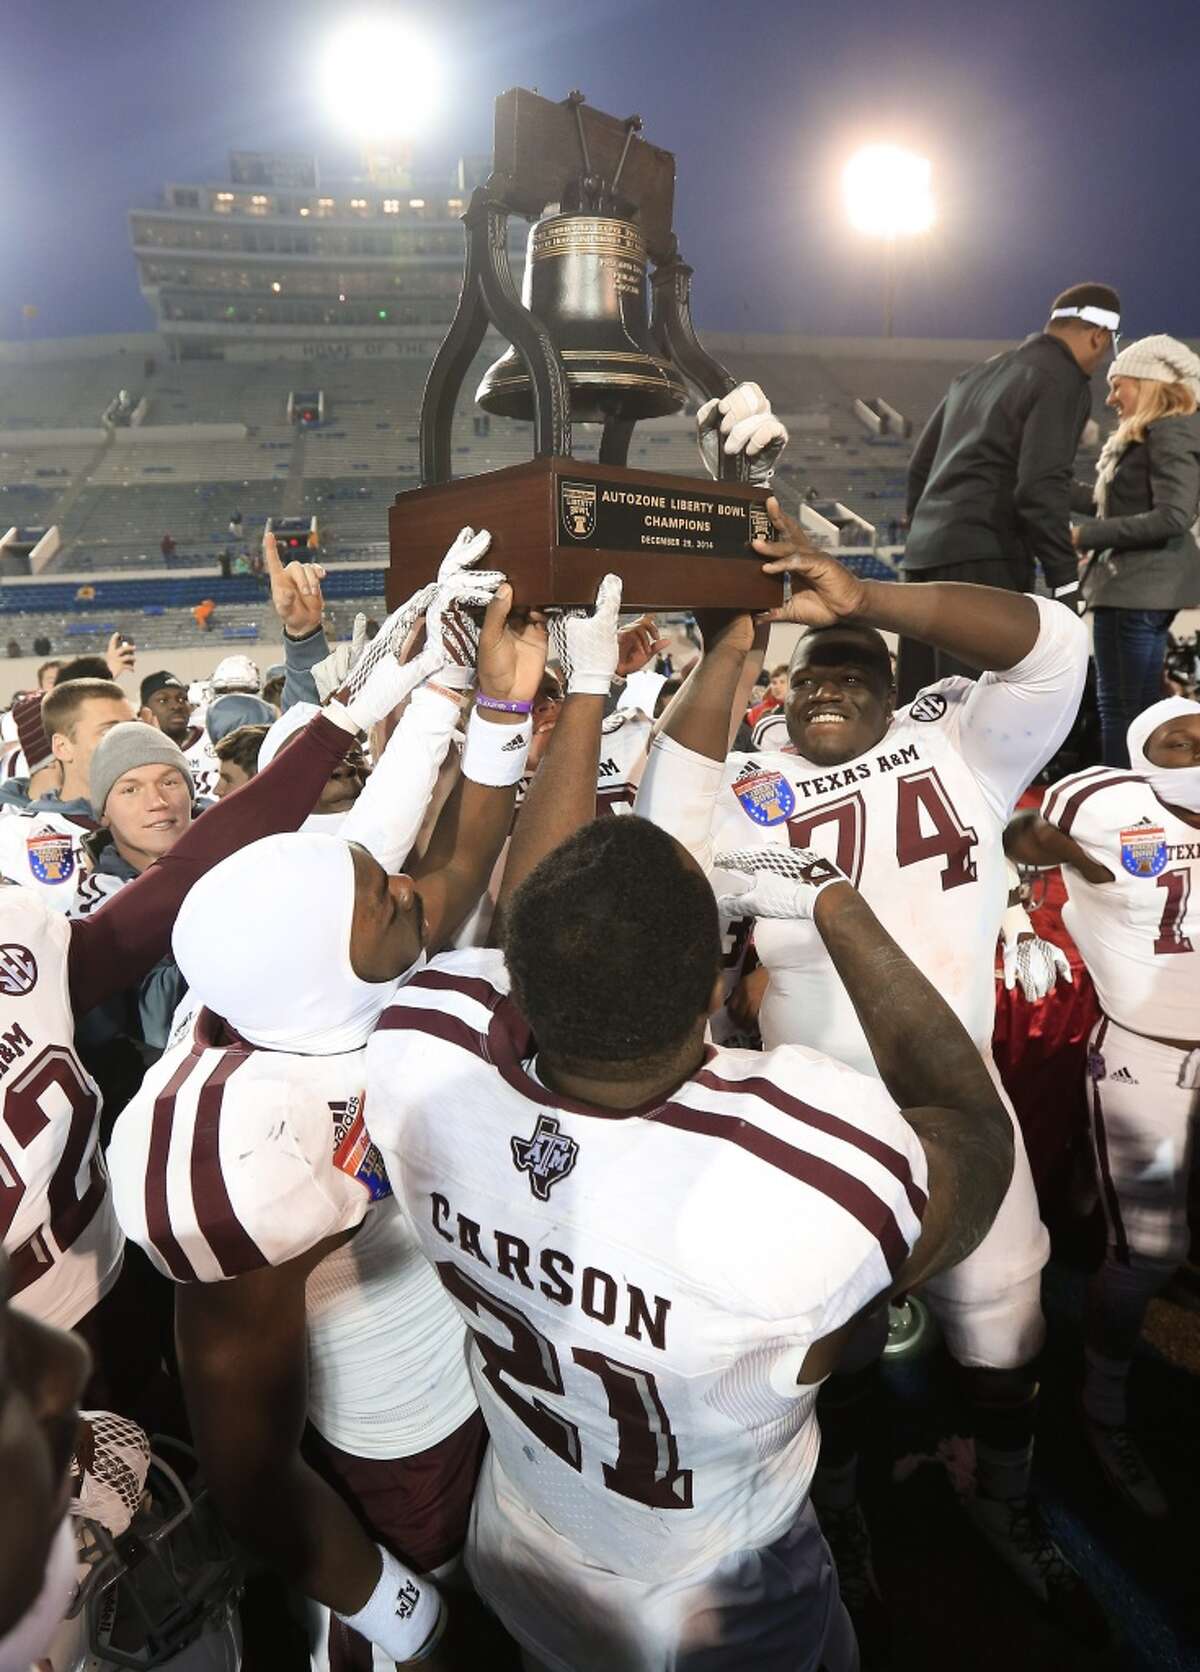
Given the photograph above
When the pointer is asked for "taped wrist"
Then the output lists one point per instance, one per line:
(404, 1614)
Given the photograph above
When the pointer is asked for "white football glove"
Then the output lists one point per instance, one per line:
(744, 419)
(478, 586)
(459, 588)
(390, 681)
(1034, 964)
(330, 673)
(774, 882)
(590, 649)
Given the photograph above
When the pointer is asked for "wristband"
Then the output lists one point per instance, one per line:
(404, 1614)
(502, 707)
(442, 689)
(460, 676)
(495, 755)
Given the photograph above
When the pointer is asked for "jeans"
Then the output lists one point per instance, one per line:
(1130, 647)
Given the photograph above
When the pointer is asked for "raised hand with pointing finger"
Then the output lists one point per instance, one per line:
(295, 591)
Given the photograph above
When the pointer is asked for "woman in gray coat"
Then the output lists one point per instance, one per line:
(1144, 564)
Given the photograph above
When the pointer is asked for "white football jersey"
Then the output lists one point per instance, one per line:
(93, 891)
(231, 1158)
(1139, 934)
(917, 825)
(642, 1288)
(43, 851)
(771, 731)
(201, 757)
(60, 1232)
(624, 739)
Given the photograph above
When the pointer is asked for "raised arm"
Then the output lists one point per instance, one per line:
(300, 606)
(473, 825)
(943, 1090)
(562, 798)
(980, 625)
(114, 947)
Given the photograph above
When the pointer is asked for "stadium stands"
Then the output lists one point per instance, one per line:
(116, 493)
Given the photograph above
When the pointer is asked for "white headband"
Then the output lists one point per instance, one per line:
(1094, 316)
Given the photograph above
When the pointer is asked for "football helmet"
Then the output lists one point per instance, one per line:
(158, 1577)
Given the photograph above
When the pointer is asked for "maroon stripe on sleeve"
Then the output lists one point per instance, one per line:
(235, 1249)
(443, 981)
(1070, 809)
(410, 1018)
(1068, 786)
(158, 1218)
(851, 1194)
(894, 1160)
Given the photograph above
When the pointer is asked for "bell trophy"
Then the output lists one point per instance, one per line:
(584, 350)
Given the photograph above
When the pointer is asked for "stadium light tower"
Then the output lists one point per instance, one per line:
(380, 78)
(888, 196)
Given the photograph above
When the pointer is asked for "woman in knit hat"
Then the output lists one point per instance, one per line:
(1144, 563)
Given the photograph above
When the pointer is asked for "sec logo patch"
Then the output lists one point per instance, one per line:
(18, 971)
(930, 705)
(766, 797)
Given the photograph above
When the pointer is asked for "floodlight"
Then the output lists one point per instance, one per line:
(888, 192)
(380, 78)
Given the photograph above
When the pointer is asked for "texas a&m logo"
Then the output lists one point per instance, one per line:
(547, 1157)
(407, 1598)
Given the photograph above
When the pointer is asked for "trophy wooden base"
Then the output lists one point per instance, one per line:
(558, 525)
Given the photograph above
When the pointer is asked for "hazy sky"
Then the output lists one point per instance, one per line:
(1062, 134)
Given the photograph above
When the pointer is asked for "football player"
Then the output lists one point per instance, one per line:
(303, 1294)
(165, 703)
(1131, 864)
(59, 1231)
(911, 805)
(657, 1247)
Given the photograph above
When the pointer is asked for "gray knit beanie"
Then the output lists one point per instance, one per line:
(1160, 359)
(128, 745)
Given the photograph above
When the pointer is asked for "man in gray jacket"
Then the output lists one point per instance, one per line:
(989, 483)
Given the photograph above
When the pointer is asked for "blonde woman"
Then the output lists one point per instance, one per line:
(1144, 564)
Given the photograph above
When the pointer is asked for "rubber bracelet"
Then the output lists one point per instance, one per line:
(404, 1614)
(495, 754)
(502, 707)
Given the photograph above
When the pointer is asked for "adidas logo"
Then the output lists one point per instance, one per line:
(514, 743)
(1123, 1078)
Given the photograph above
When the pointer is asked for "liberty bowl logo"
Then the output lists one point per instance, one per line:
(1144, 849)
